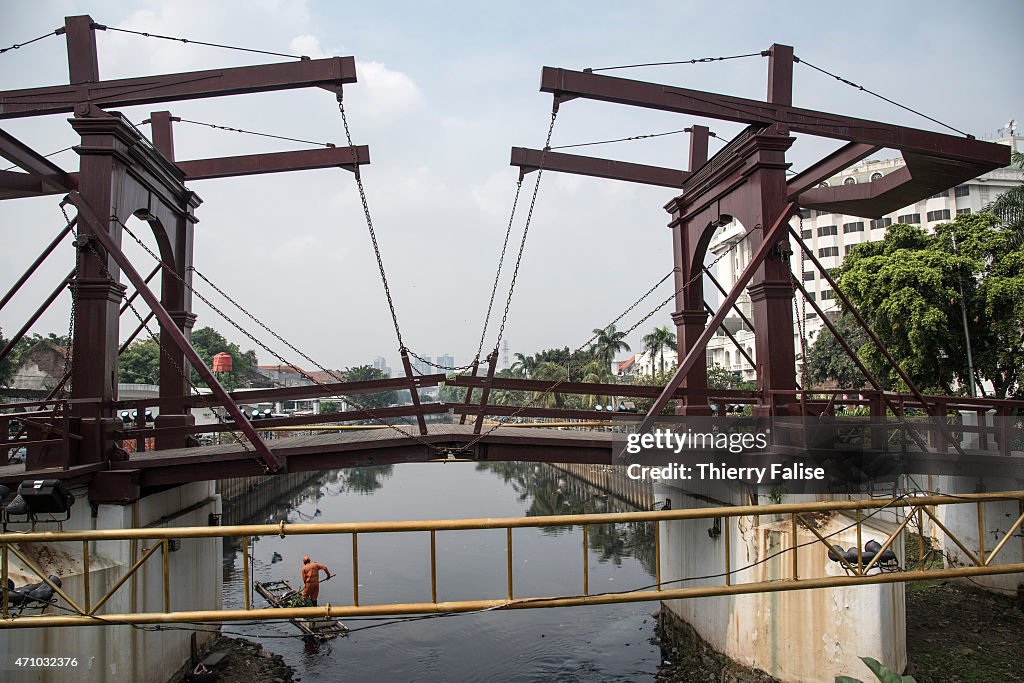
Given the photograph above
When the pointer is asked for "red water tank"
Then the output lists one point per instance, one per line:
(222, 362)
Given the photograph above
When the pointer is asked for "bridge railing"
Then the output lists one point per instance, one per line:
(867, 564)
(30, 429)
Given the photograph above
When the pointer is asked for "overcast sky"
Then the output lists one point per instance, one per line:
(445, 89)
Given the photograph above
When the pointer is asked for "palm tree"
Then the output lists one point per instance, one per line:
(657, 341)
(523, 366)
(596, 371)
(1009, 206)
(550, 372)
(609, 342)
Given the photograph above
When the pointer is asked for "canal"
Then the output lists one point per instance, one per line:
(606, 642)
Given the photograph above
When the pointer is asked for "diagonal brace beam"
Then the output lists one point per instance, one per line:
(99, 230)
(768, 242)
(529, 160)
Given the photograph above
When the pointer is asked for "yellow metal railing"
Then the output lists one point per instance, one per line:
(858, 573)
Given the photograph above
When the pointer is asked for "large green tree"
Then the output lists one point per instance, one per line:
(609, 341)
(1009, 206)
(381, 399)
(140, 362)
(914, 288)
(827, 361)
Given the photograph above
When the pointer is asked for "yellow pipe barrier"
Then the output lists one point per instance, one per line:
(220, 616)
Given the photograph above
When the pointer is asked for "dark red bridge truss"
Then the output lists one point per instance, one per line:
(78, 437)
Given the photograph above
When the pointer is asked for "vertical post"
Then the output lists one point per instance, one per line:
(698, 147)
(920, 530)
(163, 132)
(3, 577)
(355, 569)
(728, 563)
(85, 576)
(586, 562)
(508, 546)
(796, 545)
(245, 571)
(414, 391)
(860, 547)
(469, 391)
(433, 566)
(657, 553)
(981, 533)
(83, 65)
(780, 74)
(165, 550)
(485, 395)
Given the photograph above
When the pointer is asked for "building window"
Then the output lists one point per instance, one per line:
(941, 215)
(806, 233)
(909, 218)
(824, 213)
(811, 296)
(876, 176)
(853, 227)
(808, 276)
(880, 223)
(850, 180)
(963, 212)
(805, 213)
(828, 251)
(826, 230)
(811, 314)
(848, 248)
(940, 195)
(961, 190)
(827, 294)
(823, 183)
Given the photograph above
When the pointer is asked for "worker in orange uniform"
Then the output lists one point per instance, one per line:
(311, 578)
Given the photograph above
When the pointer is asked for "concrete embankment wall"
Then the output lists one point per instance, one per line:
(120, 652)
(613, 479)
(249, 498)
(795, 636)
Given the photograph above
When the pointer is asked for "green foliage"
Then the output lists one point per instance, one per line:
(828, 361)
(883, 673)
(330, 407)
(910, 287)
(9, 365)
(140, 363)
(608, 343)
(208, 343)
(381, 399)
(720, 378)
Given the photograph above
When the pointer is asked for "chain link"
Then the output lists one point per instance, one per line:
(526, 225)
(65, 383)
(369, 226)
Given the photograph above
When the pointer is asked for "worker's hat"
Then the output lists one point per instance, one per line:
(305, 559)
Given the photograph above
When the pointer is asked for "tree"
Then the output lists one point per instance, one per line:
(914, 289)
(657, 341)
(828, 361)
(140, 363)
(608, 343)
(380, 399)
(1009, 206)
(327, 407)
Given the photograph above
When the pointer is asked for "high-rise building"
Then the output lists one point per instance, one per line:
(447, 361)
(832, 236)
(422, 367)
(381, 364)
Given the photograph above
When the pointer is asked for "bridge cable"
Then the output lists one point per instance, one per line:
(18, 46)
(186, 376)
(699, 60)
(881, 97)
(657, 308)
(639, 137)
(253, 132)
(265, 347)
(103, 27)
(14, 166)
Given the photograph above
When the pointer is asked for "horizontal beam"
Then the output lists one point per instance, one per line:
(529, 160)
(842, 158)
(593, 388)
(565, 82)
(191, 85)
(562, 413)
(276, 162)
(290, 393)
(24, 157)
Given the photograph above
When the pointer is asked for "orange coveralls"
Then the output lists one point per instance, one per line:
(311, 580)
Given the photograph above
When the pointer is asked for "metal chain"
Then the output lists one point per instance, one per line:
(64, 387)
(671, 297)
(526, 225)
(802, 319)
(454, 368)
(369, 226)
(186, 376)
(266, 348)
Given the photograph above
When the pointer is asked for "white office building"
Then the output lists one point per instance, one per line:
(832, 236)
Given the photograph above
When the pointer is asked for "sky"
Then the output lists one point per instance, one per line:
(444, 90)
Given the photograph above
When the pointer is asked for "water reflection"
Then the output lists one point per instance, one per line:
(606, 642)
(550, 491)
